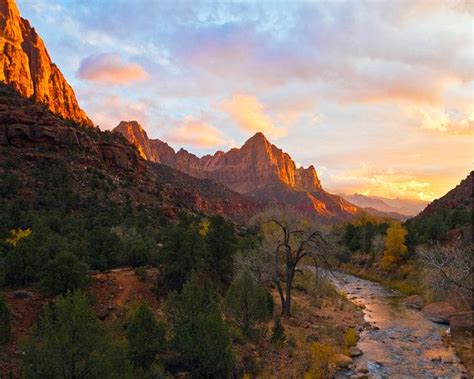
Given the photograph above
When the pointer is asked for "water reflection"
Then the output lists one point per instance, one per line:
(398, 342)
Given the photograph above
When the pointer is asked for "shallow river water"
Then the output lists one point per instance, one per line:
(398, 341)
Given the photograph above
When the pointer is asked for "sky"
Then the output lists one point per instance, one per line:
(377, 95)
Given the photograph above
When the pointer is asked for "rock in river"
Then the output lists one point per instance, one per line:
(414, 301)
(439, 312)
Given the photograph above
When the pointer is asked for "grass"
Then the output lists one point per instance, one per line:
(407, 286)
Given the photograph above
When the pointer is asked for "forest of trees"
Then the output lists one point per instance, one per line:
(214, 279)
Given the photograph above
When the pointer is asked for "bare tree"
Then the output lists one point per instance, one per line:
(288, 240)
(449, 267)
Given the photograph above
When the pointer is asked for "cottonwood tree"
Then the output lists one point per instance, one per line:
(288, 239)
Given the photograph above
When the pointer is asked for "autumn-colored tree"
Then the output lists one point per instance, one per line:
(16, 235)
(395, 248)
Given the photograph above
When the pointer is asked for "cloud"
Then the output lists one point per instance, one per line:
(384, 182)
(447, 121)
(109, 68)
(197, 133)
(249, 114)
(111, 109)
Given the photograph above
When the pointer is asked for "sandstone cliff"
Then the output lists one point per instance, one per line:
(26, 66)
(258, 168)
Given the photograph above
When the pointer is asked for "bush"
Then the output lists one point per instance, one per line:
(64, 273)
(246, 302)
(321, 361)
(5, 328)
(350, 338)
(199, 333)
(278, 332)
(146, 337)
(70, 342)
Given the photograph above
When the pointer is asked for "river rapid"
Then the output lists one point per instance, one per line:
(398, 342)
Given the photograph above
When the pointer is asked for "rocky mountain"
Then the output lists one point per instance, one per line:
(460, 197)
(447, 220)
(26, 66)
(100, 163)
(258, 169)
(403, 207)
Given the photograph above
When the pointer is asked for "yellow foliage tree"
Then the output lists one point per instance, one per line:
(395, 248)
(322, 361)
(16, 235)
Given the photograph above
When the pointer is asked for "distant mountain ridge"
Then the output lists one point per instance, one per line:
(26, 66)
(404, 207)
(258, 169)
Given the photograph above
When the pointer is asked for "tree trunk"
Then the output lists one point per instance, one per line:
(289, 283)
(282, 297)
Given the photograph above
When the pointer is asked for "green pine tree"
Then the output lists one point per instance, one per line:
(70, 342)
(146, 337)
(199, 333)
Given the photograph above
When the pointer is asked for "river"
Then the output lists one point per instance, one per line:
(398, 342)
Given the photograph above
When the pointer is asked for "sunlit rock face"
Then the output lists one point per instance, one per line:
(258, 168)
(27, 67)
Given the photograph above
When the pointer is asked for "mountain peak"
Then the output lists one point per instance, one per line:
(257, 139)
(26, 66)
(132, 125)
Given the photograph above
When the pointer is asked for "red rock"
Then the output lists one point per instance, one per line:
(439, 312)
(462, 321)
(414, 301)
(26, 66)
(342, 361)
(258, 168)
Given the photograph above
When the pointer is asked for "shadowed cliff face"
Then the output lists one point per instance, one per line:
(462, 196)
(258, 168)
(30, 133)
(26, 66)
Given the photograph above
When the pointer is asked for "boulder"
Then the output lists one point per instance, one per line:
(414, 301)
(355, 352)
(461, 321)
(439, 312)
(342, 361)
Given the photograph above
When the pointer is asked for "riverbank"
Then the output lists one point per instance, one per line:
(462, 341)
(399, 341)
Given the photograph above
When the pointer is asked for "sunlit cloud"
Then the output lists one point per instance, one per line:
(388, 83)
(387, 183)
(451, 121)
(196, 133)
(249, 114)
(109, 68)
